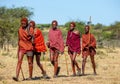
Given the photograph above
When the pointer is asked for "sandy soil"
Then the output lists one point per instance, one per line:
(107, 66)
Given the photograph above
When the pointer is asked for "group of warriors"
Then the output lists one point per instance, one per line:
(31, 42)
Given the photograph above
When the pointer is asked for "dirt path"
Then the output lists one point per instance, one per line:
(108, 69)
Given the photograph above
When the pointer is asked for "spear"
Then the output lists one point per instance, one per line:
(89, 23)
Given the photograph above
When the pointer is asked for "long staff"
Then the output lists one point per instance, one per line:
(22, 74)
(89, 23)
(66, 64)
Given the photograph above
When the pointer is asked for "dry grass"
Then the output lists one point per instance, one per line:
(108, 69)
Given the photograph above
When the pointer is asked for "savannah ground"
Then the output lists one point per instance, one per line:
(107, 66)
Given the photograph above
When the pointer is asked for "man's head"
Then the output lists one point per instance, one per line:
(24, 22)
(72, 25)
(87, 28)
(54, 24)
(32, 24)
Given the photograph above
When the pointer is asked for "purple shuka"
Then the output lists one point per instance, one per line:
(73, 42)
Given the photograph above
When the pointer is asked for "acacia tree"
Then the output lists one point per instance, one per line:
(112, 31)
(115, 30)
(10, 22)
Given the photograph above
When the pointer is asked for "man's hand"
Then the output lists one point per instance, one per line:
(48, 44)
(62, 53)
(88, 46)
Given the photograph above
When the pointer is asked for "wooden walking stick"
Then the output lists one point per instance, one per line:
(66, 64)
(22, 74)
(44, 58)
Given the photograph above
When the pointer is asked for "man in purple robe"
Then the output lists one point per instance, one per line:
(74, 48)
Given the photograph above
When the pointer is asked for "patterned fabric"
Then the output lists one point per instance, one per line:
(55, 39)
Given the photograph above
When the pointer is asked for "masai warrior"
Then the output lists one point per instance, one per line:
(88, 48)
(56, 46)
(39, 46)
(24, 46)
(74, 48)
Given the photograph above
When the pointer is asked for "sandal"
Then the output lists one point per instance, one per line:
(15, 78)
(78, 72)
(58, 70)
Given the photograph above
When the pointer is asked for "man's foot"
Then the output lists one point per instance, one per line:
(79, 72)
(15, 78)
(29, 79)
(95, 73)
(83, 74)
(58, 70)
(73, 75)
(55, 76)
(45, 76)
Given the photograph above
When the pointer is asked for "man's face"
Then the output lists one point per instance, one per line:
(86, 29)
(23, 24)
(54, 25)
(31, 25)
(71, 27)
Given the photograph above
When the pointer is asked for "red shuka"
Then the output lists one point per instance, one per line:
(24, 39)
(39, 41)
(88, 39)
(55, 39)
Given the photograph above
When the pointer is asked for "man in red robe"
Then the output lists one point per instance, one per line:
(74, 48)
(24, 47)
(39, 46)
(56, 45)
(88, 48)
